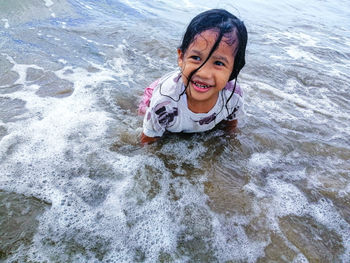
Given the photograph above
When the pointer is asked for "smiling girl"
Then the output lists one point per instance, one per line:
(204, 91)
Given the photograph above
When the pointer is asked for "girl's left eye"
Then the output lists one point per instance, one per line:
(219, 63)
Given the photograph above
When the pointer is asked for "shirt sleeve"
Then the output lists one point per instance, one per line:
(146, 98)
(158, 118)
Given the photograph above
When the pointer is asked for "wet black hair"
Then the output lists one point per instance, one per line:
(227, 25)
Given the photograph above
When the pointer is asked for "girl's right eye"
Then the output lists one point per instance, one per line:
(195, 58)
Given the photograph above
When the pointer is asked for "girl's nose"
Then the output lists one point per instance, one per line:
(205, 71)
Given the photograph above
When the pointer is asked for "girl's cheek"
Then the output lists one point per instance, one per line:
(184, 79)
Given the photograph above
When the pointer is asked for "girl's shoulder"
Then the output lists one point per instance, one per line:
(233, 98)
(169, 88)
(230, 86)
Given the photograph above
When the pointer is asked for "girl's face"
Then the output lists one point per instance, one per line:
(205, 85)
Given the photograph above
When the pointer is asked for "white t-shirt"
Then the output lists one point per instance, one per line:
(168, 110)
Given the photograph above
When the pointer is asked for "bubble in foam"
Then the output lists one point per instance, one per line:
(288, 198)
(300, 258)
(326, 213)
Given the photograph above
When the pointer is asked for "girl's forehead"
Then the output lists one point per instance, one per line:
(209, 37)
(207, 34)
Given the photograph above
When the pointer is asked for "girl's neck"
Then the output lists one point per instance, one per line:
(200, 106)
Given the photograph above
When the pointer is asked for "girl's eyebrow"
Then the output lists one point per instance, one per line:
(196, 52)
(220, 58)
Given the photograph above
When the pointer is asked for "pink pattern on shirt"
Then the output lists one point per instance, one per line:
(146, 98)
(229, 86)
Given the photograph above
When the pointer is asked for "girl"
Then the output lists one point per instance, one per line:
(203, 92)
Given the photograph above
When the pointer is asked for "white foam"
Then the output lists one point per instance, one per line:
(156, 231)
(48, 3)
(180, 4)
(119, 49)
(285, 37)
(85, 5)
(277, 58)
(296, 53)
(118, 64)
(302, 38)
(43, 142)
(63, 61)
(150, 227)
(288, 199)
(6, 22)
(300, 258)
(185, 153)
(20, 69)
(70, 218)
(6, 142)
(88, 40)
(264, 160)
(46, 136)
(232, 242)
(309, 105)
(325, 212)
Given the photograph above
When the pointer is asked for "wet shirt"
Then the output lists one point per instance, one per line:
(168, 110)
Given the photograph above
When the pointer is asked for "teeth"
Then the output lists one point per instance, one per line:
(200, 85)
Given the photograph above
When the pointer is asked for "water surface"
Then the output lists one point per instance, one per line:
(76, 186)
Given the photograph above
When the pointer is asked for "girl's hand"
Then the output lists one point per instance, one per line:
(231, 126)
(147, 140)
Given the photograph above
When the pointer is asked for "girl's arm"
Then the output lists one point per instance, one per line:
(147, 140)
(231, 126)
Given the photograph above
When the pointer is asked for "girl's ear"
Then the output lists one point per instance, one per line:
(180, 57)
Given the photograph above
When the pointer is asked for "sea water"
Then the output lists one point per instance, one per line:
(77, 186)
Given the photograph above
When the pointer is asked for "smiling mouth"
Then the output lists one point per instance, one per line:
(201, 87)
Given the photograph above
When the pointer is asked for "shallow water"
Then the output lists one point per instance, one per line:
(76, 186)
